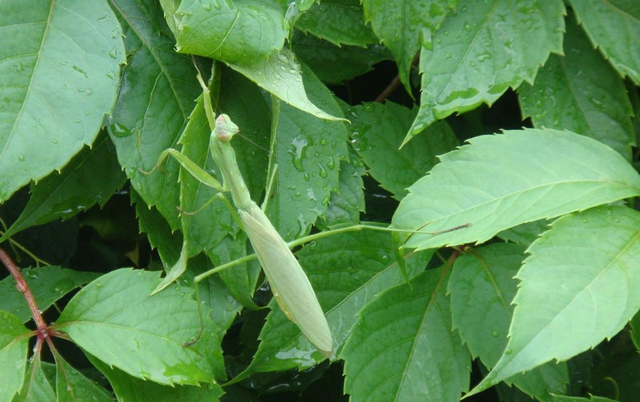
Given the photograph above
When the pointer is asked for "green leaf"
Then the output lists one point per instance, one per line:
(345, 206)
(482, 289)
(38, 386)
(333, 64)
(562, 398)
(614, 27)
(129, 388)
(403, 347)
(241, 32)
(582, 93)
(525, 233)
(47, 285)
(584, 271)
(500, 181)
(158, 231)
(14, 346)
(241, 280)
(59, 78)
(377, 131)
(72, 386)
(363, 265)
(282, 76)
(146, 338)
(405, 25)
(90, 178)
(635, 330)
(151, 112)
(308, 152)
(339, 21)
(483, 50)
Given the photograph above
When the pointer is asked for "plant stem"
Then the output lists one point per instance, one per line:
(23, 288)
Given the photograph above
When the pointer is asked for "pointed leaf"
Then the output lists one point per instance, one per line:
(242, 32)
(341, 22)
(584, 271)
(345, 206)
(58, 81)
(581, 92)
(14, 346)
(614, 27)
(47, 285)
(152, 111)
(377, 131)
(129, 388)
(403, 347)
(158, 231)
(38, 385)
(500, 181)
(308, 152)
(72, 386)
(363, 265)
(90, 178)
(404, 25)
(483, 50)
(482, 289)
(281, 75)
(146, 339)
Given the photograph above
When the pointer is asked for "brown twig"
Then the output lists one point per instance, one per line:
(23, 288)
(43, 331)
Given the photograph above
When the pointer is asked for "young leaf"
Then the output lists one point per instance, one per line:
(146, 339)
(58, 81)
(280, 74)
(308, 152)
(160, 87)
(363, 265)
(376, 134)
(614, 27)
(241, 32)
(47, 285)
(90, 178)
(129, 388)
(405, 25)
(72, 386)
(403, 347)
(339, 21)
(582, 93)
(14, 346)
(578, 288)
(482, 289)
(483, 50)
(500, 181)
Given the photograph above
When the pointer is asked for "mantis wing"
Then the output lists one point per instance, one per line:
(289, 283)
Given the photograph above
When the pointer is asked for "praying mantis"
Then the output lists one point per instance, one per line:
(289, 283)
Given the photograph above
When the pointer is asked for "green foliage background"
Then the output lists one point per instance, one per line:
(511, 121)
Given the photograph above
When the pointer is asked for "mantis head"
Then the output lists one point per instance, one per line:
(225, 128)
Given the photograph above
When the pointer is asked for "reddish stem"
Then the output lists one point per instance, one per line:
(23, 288)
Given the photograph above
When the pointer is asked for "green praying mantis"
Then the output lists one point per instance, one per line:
(289, 283)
